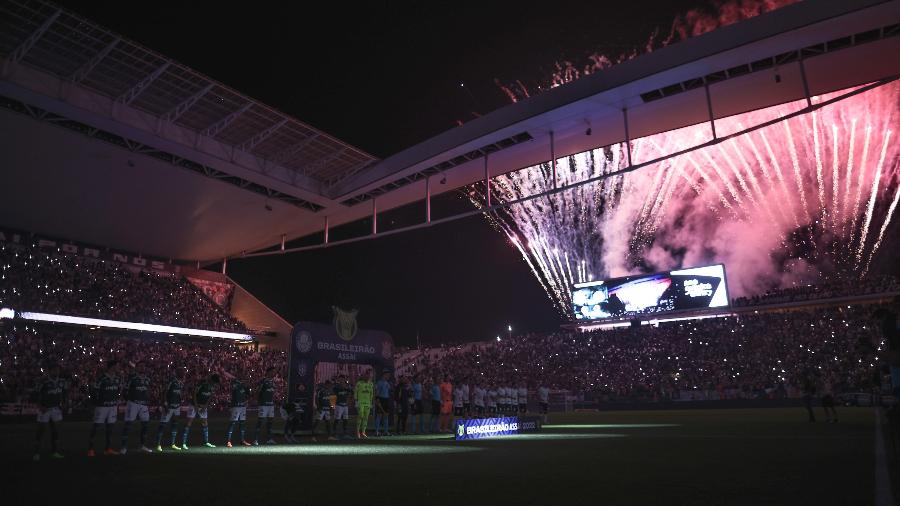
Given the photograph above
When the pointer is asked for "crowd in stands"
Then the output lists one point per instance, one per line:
(43, 280)
(26, 349)
(752, 356)
(836, 287)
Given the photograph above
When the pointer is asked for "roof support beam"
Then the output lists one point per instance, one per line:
(129, 96)
(82, 73)
(215, 128)
(321, 162)
(26, 45)
(176, 112)
(287, 154)
(254, 141)
(356, 168)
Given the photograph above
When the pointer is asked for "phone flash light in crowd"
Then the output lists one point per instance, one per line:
(97, 323)
(7, 313)
(509, 328)
(498, 339)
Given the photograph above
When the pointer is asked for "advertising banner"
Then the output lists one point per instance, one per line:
(478, 428)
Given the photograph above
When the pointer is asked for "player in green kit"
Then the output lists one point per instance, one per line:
(324, 399)
(171, 410)
(137, 396)
(202, 396)
(364, 393)
(105, 393)
(239, 394)
(266, 407)
(342, 392)
(50, 396)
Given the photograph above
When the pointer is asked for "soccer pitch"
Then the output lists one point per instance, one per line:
(728, 456)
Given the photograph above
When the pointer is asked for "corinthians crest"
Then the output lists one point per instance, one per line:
(304, 342)
(345, 323)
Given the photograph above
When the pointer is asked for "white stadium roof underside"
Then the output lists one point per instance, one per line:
(108, 142)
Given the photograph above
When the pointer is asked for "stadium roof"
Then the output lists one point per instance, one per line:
(111, 143)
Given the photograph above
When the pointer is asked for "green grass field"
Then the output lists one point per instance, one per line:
(728, 456)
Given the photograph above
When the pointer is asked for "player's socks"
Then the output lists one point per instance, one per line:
(37, 440)
(258, 428)
(184, 437)
(125, 429)
(242, 431)
(159, 433)
(93, 433)
(230, 431)
(174, 432)
(109, 430)
(144, 434)
(54, 437)
(205, 430)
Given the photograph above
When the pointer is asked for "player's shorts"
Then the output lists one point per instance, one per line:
(435, 408)
(239, 414)
(105, 414)
(446, 407)
(544, 408)
(193, 412)
(266, 412)
(325, 414)
(135, 411)
(341, 412)
(49, 414)
(479, 410)
(458, 411)
(417, 407)
(168, 413)
(523, 408)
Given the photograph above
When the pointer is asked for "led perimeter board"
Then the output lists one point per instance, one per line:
(651, 294)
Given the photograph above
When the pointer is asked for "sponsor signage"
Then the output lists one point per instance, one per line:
(75, 248)
(478, 428)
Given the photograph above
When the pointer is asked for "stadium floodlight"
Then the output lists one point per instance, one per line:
(147, 327)
(7, 313)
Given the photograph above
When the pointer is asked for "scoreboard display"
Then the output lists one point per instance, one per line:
(651, 294)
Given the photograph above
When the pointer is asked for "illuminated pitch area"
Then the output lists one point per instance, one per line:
(734, 456)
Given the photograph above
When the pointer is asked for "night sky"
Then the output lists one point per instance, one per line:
(384, 76)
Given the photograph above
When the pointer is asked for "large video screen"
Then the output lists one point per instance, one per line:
(696, 288)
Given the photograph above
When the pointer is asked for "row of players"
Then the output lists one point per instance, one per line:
(331, 405)
(410, 397)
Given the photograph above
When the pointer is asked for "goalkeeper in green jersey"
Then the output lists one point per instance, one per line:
(363, 393)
